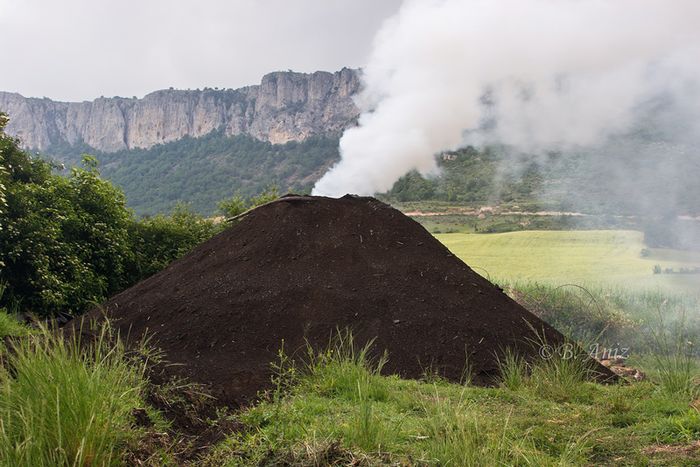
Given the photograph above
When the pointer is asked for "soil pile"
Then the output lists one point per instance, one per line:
(299, 269)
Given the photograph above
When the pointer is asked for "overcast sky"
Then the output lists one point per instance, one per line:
(83, 49)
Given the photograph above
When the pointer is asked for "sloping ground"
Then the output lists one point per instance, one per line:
(298, 269)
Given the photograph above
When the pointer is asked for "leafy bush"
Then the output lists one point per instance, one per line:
(64, 241)
(159, 240)
(67, 243)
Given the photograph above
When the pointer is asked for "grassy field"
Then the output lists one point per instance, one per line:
(339, 410)
(591, 257)
(68, 404)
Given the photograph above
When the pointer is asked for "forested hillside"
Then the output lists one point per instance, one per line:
(203, 171)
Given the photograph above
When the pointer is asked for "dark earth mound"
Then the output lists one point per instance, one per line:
(300, 268)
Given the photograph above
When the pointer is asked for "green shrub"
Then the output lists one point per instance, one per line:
(67, 243)
(64, 241)
(157, 241)
(237, 204)
(233, 206)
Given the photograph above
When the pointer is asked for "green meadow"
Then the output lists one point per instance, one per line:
(616, 258)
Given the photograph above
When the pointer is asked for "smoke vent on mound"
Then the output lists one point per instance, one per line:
(298, 269)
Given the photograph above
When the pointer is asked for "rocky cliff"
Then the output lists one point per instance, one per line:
(285, 106)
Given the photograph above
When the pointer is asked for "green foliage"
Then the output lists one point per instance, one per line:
(68, 242)
(67, 402)
(233, 206)
(159, 240)
(64, 242)
(237, 204)
(9, 325)
(469, 176)
(269, 194)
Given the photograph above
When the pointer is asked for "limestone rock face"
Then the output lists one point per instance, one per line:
(286, 106)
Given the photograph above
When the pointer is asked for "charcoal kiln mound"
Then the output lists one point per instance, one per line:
(300, 268)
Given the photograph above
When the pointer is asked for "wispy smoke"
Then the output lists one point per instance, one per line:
(531, 74)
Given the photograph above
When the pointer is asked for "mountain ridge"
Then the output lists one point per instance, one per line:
(284, 107)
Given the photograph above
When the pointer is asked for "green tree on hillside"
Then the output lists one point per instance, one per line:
(158, 240)
(237, 204)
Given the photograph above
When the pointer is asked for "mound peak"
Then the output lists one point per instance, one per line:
(300, 268)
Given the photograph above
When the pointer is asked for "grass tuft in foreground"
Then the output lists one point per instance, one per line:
(67, 402)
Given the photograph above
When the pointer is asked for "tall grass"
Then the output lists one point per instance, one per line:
(610, 316)
(347, 370)
(67, 402)
(455, 437)
(513, 369)
(558, 374)
(675, 357)
(366, 431)
(561, 378)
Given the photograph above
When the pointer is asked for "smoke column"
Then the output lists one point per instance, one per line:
(532, 74)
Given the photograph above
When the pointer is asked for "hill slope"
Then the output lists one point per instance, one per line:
(203, 171)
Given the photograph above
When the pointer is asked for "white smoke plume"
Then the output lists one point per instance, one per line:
(540, 74)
